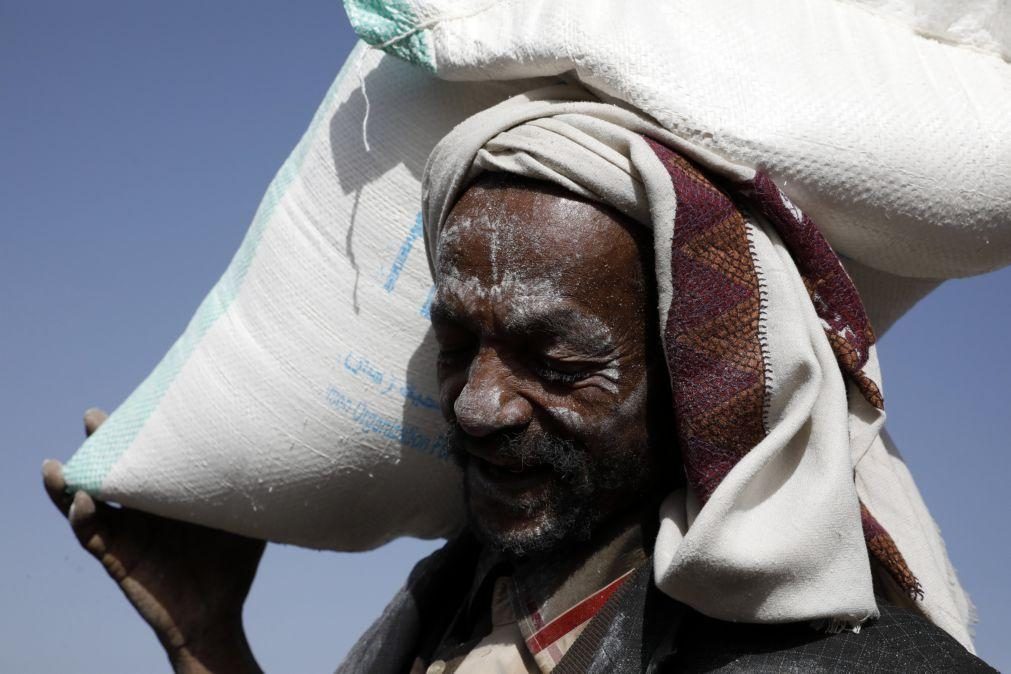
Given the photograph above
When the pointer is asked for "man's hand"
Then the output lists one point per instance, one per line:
(188, 582)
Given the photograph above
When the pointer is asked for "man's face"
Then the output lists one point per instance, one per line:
(543, 326)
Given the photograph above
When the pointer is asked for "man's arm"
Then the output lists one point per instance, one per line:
(188, 582)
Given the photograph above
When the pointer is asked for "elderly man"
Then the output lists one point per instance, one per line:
(559, 379)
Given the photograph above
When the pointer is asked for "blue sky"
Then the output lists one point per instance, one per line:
(137, 140)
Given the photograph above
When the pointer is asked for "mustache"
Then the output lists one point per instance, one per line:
(564, 456)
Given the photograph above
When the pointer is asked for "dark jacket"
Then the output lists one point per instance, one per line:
(642, 630)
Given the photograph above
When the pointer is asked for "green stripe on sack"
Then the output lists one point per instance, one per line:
(381, 21)
(91, 463)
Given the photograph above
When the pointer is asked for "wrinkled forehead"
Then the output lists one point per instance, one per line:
(539, 234)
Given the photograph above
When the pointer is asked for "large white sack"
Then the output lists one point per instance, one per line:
(281, 410)
(300, 405)
(887, 121)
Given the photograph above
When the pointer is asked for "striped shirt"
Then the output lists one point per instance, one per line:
(523, 620)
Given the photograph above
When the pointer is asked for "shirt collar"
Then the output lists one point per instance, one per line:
(552, 601)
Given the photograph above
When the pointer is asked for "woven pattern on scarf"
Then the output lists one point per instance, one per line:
(834, 296)
(712, 343)
(713, 336)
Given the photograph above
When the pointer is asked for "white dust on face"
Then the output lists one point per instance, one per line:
(514, 283)
(605, 424)
(521, 299)
(568, 417)
(478, 405)
(520, 291)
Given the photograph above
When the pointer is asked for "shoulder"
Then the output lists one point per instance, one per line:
(898, 641)
(417, 613)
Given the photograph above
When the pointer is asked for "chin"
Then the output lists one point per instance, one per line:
(519, 532)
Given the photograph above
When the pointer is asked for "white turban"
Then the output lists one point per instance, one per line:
(779, 421)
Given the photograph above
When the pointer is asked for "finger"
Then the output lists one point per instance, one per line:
(87, 519)
(99, 527)
(56, 485)
(93, 418)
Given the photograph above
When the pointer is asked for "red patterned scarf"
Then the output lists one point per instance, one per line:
(714, 346)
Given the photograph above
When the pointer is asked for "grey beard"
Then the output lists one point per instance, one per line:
(572, 505)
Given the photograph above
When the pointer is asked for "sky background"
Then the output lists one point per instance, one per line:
(136, 139)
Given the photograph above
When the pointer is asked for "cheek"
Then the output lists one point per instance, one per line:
(597, 418)
(568, 418)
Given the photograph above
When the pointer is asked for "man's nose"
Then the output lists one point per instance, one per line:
(490, 402)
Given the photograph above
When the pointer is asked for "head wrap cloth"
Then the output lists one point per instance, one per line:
(775, 382)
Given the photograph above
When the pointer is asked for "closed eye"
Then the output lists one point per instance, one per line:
(561, 372)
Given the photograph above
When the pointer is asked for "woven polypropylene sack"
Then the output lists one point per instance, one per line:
(887, 121)
(300, 404)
